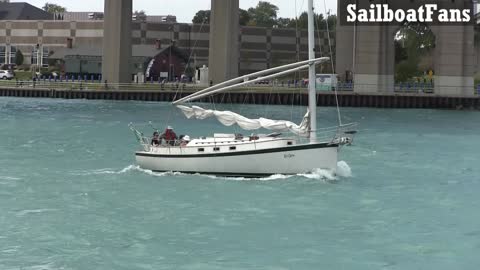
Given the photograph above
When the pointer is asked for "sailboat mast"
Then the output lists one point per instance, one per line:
(312, 94)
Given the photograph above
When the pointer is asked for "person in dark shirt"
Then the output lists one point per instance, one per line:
(156, 139)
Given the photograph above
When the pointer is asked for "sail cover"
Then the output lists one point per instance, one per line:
(229, 118)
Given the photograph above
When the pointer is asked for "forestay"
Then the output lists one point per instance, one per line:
(229, 118)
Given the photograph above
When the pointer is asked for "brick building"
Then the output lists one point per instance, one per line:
(260, 48)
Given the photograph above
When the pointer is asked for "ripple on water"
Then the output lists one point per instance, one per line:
(23, 213)
(405, 198)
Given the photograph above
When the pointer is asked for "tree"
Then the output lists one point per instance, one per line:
(140, 15)
(19, 58)
(244, 17)
(400, 52)
(413, 42)
(405, 71)
(202, 16)
(264, 14)
(53, 8)
(320, 23)
(285, 22)
(332, 22)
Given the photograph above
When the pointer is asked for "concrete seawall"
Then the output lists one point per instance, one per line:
(296, 97)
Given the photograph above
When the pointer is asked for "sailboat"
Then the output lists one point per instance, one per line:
(256, 155)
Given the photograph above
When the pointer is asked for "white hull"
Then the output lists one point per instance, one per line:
(287, 160)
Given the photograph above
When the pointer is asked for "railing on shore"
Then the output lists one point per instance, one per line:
(251, 95)
(267, 86)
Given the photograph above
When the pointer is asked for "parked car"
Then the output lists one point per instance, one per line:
(6, 74)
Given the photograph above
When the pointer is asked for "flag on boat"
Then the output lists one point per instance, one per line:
(229, 118)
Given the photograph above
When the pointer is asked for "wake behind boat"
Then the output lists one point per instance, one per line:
(306, 150)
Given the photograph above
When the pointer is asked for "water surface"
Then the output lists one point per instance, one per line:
(71, 196)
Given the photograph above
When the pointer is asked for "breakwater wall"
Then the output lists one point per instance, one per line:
(296, 97)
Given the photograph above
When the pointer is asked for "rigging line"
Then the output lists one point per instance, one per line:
(212, 100)
(298, 46)
(292, 107)
(298, 37)
(188, 64)
(296, 29)
(331, 60)
(268, 100)
(191, 53)
(195, 44)
(236, 129)
(253, 101)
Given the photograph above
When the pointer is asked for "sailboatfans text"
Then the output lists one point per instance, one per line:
(382, 13)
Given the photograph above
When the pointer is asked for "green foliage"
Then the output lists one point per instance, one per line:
(400, 52)
(244, 17)
(285, 22)
(23, 75)
(19, 58)
(405, 71)
(53, 8)
(332, 22)
(202, 16)
(412, 42)
(302, 20)
(264, 14)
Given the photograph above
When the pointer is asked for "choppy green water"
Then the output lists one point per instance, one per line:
(72, 198)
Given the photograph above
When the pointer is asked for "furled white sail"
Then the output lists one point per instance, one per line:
(229, 118)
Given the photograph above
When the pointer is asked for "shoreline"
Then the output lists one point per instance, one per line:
(290, 96)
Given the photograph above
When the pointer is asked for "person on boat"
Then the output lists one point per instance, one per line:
(169, 136)
(155, 139)
(184, 141)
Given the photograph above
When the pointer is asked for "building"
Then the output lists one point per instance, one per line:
(22, 11)
(169, 63)
(260, 48)
(151, 62)
(86, 16)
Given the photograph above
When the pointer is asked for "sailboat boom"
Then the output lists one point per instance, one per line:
(199, 95)
(254, 75)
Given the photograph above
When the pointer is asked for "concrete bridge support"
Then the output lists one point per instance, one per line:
(369, 52)
(454, 61)
(117, 41)
(224, 40)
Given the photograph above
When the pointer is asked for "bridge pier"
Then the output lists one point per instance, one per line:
(369, 52)
(117, 41)
(224, 43)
